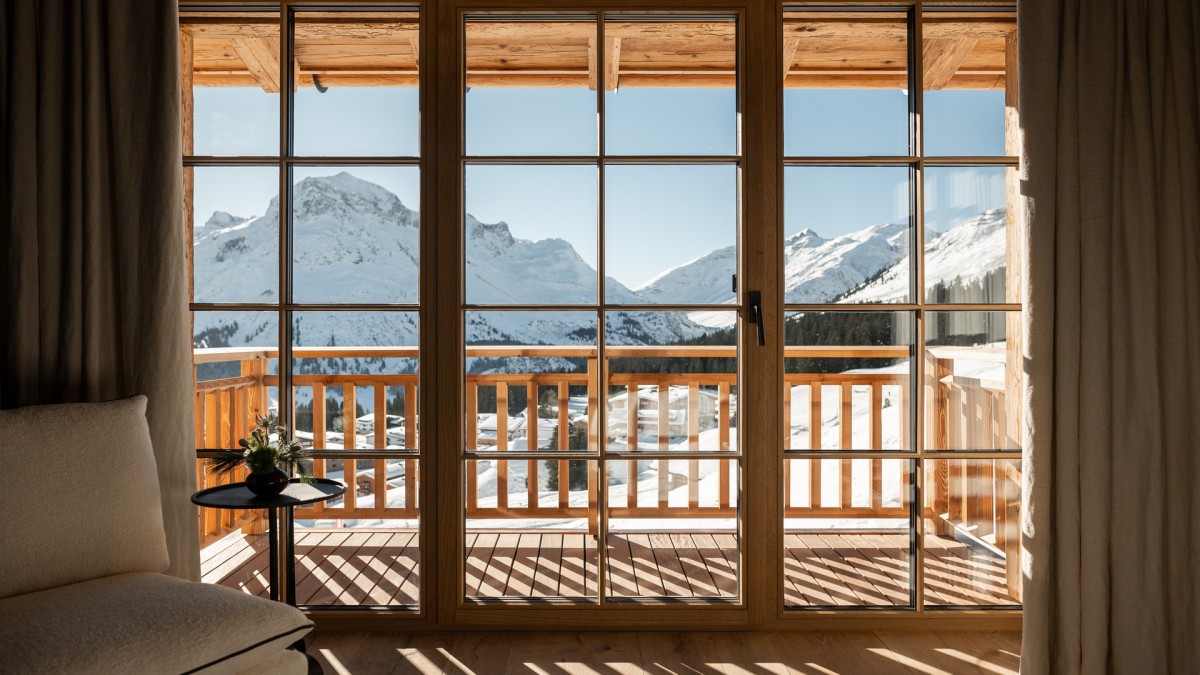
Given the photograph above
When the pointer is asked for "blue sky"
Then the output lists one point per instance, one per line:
(657, 217)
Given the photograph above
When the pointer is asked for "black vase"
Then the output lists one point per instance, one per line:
(267, 484)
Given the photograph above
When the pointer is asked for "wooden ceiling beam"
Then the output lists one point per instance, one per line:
(261, 56)
(942, 59)
(612, 64)
(789, 54)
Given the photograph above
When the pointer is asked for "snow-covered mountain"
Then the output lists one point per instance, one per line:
(968, 254)
(354, 241)
(869, 265)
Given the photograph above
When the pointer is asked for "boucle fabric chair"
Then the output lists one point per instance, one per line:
(83, 547)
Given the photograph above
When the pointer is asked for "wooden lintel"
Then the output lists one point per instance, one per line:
(261, 56)
(405, 78)
(414, 42)
(612, 63)
(943, 57)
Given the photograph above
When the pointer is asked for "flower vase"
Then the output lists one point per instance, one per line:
(267, 484)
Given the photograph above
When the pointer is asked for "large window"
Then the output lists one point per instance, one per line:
(306, 249)
(605, 313)
(901, 324)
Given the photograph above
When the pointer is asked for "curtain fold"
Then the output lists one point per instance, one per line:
(1111, 183)
(94, 287)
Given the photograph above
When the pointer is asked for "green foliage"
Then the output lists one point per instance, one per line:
(577, 477)
(260, 454)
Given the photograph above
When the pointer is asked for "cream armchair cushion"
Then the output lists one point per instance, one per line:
(80, 496)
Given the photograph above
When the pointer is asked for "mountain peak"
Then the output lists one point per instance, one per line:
(223, 219)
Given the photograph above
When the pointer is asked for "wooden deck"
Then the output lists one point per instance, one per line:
(381, 567)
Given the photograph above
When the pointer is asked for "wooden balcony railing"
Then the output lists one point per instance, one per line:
(975, 496)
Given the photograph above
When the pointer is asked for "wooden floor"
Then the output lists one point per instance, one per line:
(381, 567)
(659, 653)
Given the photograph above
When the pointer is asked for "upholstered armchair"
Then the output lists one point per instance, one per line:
(81, 588)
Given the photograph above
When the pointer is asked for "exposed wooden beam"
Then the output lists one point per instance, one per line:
(295, 74)
(942, 58)
(591, 64)
(415, 43)
(612, 64)
(789, 54)
(261, 56)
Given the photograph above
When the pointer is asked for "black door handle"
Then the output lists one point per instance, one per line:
(756, 316)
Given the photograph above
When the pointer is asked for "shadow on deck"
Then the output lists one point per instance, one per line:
(828, 568)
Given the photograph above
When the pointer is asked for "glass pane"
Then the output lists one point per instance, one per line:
(670, 87)
(846, 532)
(356, 235)
(530, 87)
(356, 89)
(847, 380)
(973, 532)
(672, 380)
(530, 234)
(234, 92)
(973, 381)
(965, 59)
(539, 367)
(359, 561)
(525, 535)
(670, 233)
(966, 234)
(350, 369)
(847, 232)
(235, 357)
(235, 235)
(845, 84)
(672, 528)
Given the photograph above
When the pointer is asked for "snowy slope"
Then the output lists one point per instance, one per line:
(965, 253)
(355, 241)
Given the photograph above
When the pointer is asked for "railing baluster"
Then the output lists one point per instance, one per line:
(502, 444)
(380, 419)
(532, 484)
(593, 388)
(693, 445)
(723, 415)
(876, 444)
(847, 442)
(472, 445)
(411, 469)
(349, 466)
(814, 443)
(631, 443)
(564, 444)
(664, 444)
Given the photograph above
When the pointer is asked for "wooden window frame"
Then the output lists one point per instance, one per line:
(760, 47)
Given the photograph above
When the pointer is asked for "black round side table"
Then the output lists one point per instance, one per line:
(279, 526)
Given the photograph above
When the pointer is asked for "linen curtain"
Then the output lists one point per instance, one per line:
(1111, 179)
(93, 289)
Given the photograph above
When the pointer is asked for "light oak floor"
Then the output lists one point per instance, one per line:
(381, 567)
(664, 653)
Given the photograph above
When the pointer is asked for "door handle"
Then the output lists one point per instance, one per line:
(756, 316)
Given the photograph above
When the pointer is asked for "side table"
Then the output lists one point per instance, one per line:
(279, 525)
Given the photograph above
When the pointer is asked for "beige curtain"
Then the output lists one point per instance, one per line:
(1111, 177)
(93, 285)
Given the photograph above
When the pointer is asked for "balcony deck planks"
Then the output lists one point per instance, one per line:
(375, 566)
